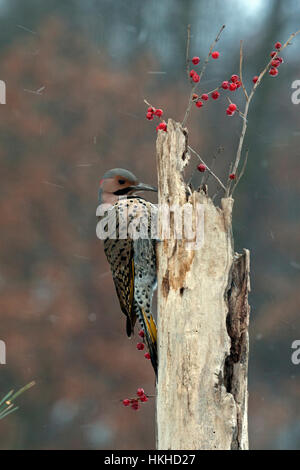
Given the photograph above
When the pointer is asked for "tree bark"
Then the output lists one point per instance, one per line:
(203, 316)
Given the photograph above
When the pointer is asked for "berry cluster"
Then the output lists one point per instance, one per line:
(194, 76)
(275, 63)
(233, 84)
(196, 60)
(231, 109)
(151, 112)
(135, 402)
(141, 346)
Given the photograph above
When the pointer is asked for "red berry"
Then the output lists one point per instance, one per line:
(229, 113)
(273, 53)
(195, 96)
(199, 104)
(126, 402)
(215, 55)
(234, 78)
(196, 60)
(280, 59)
(144, 398)
(140, 346)
(273, 72)
(238, 84)
(232, 107)
(225, 85)
(215, 95)
(147, 356)
(158, 112)
(201, 167)
(135, 404)
(204, 97)
(278, 45)
(162, 126)
(276, 62)
(149, 116)
(232, 176)
(192, 73)
(196, 78)
(150, 110)
(254, 79)
(140, 392)
(232, 86)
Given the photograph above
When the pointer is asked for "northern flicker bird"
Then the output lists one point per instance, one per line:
(130, 249)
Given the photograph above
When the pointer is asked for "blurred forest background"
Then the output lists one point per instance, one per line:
(76, 74)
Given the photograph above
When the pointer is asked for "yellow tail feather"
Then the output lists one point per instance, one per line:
(151, 327)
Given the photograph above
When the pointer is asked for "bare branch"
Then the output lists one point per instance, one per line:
(241, 173)
(190, 102)
(228, 184)
(188, 51)
(208, 169)
(147, 103)
(237, 109)
(219, 150)
(210, 51)
(241, 70)
(245, 113)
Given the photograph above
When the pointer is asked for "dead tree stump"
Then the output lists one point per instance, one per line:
(203, 316)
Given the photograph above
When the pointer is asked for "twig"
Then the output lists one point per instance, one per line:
(245, 113)
(147, 103)
(237, 109)
(228, 184)
(241, 173)
(215, 155)
(241, 70)
(211, 91)
(208, 169)
(190, 102)
(188, 51)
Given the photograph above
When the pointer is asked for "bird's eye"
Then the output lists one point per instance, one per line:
(121, 181)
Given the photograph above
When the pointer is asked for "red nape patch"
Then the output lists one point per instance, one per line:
(101, 181)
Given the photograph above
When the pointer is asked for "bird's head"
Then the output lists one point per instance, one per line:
(119, 182)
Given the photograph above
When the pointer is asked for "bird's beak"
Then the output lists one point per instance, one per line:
(143, 187)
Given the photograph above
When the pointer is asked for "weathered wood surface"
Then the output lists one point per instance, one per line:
(203, 316)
